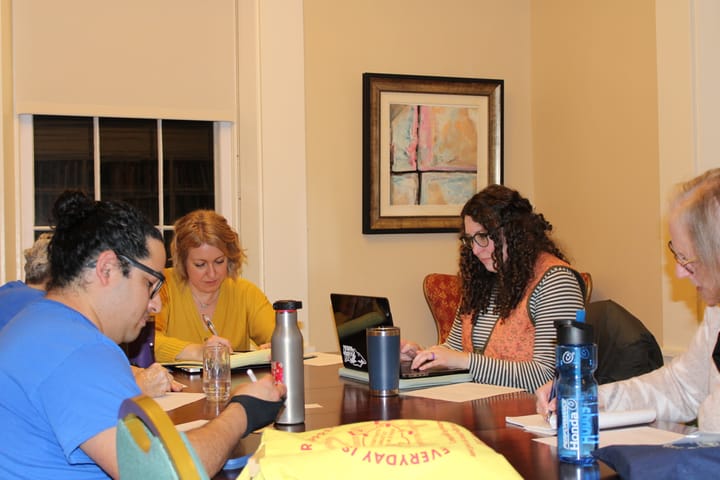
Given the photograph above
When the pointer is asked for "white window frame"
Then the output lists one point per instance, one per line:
(225, 171)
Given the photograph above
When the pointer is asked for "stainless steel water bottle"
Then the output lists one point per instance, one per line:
(287, 361)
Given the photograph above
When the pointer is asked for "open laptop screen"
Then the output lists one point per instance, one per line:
(353, 314)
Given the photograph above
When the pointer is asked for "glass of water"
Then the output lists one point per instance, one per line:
(216, 372)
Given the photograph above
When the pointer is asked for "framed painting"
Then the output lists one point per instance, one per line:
(429, 144)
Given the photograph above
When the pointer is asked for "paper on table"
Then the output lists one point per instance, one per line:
(461, 392)
(319, 359)
(172, 400)
(536, 423)
(626, 436)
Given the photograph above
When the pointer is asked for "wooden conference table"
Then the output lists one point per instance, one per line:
(344, 401)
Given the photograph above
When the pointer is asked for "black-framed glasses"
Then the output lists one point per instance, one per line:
(481, 239)
(682, 261)
(161, 278)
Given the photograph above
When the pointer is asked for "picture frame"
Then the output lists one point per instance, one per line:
(429, 144)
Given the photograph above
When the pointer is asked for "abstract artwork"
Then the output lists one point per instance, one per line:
(429, 144)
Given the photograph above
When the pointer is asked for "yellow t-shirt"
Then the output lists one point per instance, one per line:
(397, 449)
(242, 314)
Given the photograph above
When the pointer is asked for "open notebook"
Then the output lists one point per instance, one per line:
(237, 360)
(355, 313)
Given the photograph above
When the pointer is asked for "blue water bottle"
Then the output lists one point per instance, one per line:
(577, 390)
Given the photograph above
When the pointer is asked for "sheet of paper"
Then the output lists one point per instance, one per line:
(319, 359)
(461, 392)
(626, 436)
(172, 400)
(536, 423)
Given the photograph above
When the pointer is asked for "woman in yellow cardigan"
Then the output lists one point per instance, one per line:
(204, 291)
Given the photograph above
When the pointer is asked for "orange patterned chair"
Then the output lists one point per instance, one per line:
(442, 293)
(587, 278)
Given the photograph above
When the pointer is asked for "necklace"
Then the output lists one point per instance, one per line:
(203, 305)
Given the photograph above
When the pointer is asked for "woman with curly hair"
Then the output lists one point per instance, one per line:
(205, 301)
(515, 283)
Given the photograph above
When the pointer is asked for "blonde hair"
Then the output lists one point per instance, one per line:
(206, 227)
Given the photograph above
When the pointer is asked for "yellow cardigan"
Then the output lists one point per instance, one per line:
(243, 313)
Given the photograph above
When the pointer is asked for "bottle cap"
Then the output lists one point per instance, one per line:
(287, 305)
(574, 333)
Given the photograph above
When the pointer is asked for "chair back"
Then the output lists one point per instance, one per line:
(626, 348)
(587, 278)
(149, 445)
(442, 293)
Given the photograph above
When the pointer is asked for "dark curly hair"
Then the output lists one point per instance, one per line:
(84, 228)
(509, 219)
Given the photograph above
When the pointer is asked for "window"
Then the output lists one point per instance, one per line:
(166, 168)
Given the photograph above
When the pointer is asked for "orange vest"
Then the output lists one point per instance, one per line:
(513, 338)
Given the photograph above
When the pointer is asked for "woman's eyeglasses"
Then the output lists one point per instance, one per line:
(681, 260)
(481, 239)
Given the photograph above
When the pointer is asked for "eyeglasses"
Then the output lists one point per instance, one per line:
(161, 278)
(481, 239)
(681, 260)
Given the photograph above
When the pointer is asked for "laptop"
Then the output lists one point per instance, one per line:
(353, 314)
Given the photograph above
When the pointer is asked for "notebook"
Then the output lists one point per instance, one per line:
(255, 358)
(353, 314)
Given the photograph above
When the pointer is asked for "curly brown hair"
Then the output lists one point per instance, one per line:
(509, 219)
(205, 226)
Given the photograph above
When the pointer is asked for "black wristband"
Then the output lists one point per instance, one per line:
(258, 412)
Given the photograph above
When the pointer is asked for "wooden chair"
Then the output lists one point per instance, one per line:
(149, 445)
(587, 278)
(442, 293)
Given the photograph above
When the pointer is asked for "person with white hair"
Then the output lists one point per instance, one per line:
(16, 295)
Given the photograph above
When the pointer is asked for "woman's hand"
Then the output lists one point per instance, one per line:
(440, 356)
(215, 340)
(194, 351)
(408, 350)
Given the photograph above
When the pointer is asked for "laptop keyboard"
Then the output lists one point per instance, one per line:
(406, 371)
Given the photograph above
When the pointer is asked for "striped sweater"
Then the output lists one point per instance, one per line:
(556, 297)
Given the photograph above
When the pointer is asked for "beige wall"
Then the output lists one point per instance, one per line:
(595, 143)
(465, 38)
(584, 95)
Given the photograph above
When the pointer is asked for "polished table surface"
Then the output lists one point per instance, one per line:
(344, 401)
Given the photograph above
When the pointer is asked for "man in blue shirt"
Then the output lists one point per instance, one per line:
(58, 410)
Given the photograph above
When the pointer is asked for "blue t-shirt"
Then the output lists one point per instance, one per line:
(14, 296)
(61, 383)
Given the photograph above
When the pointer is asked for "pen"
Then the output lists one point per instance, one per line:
(209, 325)
(553, 393)
(251, 374)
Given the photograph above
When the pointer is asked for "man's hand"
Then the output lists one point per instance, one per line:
(156, 380)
